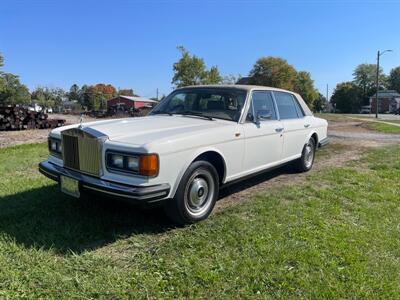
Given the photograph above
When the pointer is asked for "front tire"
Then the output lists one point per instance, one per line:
(196, 194)
(306, 161)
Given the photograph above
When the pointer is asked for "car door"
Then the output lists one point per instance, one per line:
(263, 137)
(296, 127)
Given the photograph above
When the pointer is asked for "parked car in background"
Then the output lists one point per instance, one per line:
(193, 142)
(366, 109)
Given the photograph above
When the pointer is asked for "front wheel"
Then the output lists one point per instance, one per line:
(196, 194)
(306, 161)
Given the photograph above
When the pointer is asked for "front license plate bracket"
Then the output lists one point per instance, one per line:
(69, 186)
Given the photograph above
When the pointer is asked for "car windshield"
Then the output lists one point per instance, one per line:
(219, 103)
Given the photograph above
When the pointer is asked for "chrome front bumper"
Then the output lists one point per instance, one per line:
(92, 184)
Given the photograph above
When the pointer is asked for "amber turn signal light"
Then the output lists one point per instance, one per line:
(148, 165)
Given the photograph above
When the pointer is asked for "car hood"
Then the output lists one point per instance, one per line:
(144, 130)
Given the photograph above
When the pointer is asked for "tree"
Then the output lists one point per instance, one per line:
(107, 90)
(347, 97)
(48, 97)
(394, 79)
(189, 70)
(320, 103)
(273, 72)
(304, 85)
(73, 92)
(212, 76)
(365, 78)
(126, 92)
(13, 92)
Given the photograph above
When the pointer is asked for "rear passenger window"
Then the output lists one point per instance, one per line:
(288, 106)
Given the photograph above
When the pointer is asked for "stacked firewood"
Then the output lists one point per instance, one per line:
(18, 118)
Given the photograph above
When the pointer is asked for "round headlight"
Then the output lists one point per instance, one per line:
(132, 163)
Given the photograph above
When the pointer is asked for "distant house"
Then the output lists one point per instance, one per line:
(130, 102)
(388, 101)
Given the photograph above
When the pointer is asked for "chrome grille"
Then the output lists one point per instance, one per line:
(70, 151)
(81, 150)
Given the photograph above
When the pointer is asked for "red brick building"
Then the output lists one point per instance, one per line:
(129, 102)
(388, 101)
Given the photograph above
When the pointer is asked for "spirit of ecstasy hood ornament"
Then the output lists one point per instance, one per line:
(81, 121)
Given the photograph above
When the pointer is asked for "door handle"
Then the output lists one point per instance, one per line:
(306, 125)
(279, 129)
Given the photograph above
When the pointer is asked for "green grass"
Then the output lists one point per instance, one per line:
(336, 235)
(383, 127)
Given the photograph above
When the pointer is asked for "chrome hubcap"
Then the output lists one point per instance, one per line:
(308, 155)
(199, 192)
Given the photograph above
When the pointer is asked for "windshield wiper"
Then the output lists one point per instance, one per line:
(193, 113)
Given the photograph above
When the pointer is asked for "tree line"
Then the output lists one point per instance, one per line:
(348, 97)
(267, 71)
(90, 97)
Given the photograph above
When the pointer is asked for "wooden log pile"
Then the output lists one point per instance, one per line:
(19, 118)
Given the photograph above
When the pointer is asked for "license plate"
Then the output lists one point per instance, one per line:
(70, 186)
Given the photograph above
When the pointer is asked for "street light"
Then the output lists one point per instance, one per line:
(377, 79)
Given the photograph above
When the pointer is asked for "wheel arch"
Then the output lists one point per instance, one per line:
(213, 156)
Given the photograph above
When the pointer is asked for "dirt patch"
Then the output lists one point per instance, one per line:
(12, 138)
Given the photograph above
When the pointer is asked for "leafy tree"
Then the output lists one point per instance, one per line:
(212, 76)
(13, 92)
(347, 97)
(394, 79)
(189, 70)
(73, 92)
(365, 78)
(107, 90)
(48, 97)
(273, 72)
(320, 103)
(96, 98)
(126, 92)
(304, 85)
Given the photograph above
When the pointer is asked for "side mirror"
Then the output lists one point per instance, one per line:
(263, 115)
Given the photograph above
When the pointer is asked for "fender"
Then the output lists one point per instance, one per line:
(309, 136)
(190, 159)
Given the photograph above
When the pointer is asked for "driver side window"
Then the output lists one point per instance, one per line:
(261, 102)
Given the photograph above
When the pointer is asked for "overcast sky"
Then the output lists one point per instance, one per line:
(132, 44)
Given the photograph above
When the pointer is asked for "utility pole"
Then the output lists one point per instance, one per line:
(377, 80)
(327, 89)
(377, 84)
(157, 94)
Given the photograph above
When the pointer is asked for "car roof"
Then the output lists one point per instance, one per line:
(236, 86)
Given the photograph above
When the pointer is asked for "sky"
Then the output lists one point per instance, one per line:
(132, 44)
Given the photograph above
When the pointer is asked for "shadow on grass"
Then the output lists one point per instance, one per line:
(46, 218)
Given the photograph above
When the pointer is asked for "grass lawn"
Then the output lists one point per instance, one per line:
(383, 127)
(336, 235)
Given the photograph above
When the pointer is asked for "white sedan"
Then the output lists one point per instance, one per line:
(193, 142)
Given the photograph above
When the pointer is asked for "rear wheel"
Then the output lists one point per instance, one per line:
(196, 194)
(306, 161)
